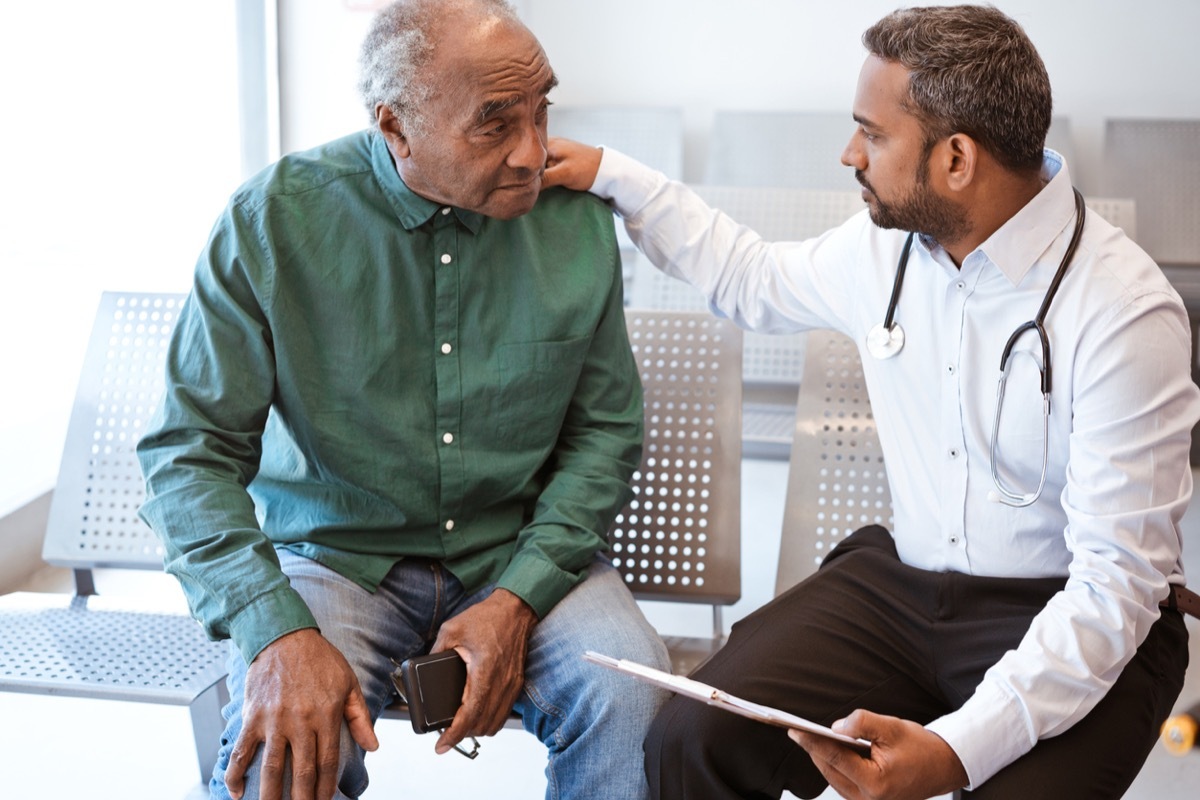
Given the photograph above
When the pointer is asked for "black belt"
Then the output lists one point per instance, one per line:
(1183, 600)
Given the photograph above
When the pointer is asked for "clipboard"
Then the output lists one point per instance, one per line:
(715, 697)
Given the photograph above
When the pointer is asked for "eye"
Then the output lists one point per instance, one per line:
(544, 109)
(495, 129)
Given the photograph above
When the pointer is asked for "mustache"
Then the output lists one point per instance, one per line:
(858, 176)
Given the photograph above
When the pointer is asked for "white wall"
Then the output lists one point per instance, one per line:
(1106, 58)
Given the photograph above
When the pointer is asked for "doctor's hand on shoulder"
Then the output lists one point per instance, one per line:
(907, 761)
(571, 164)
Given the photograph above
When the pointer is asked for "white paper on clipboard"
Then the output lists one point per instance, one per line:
(715, 697)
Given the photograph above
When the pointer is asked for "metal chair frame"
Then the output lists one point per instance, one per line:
(679, 539)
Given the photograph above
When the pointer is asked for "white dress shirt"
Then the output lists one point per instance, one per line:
(1122, 410)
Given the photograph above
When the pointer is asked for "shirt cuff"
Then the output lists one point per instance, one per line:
(537, 581)
(989, 732)
(628, 183)
(268, 617)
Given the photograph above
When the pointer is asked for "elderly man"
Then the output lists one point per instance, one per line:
(1017, 632)
(401, 413)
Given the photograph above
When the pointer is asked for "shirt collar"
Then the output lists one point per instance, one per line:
(410, 208)
(1031, 233)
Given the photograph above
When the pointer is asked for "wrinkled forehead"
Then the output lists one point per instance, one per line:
(489, 54)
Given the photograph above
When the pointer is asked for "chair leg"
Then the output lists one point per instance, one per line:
(207, 725)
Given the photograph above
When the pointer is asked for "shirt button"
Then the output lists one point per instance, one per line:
(449, 524)
(445, 258)
(953, 540)
(447, 437)
(446, 348)
(445, 211)
(949, 369)
(960, 285)
(953, 452)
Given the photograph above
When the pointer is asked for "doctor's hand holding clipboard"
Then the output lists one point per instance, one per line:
(736, 705)
(856, 752)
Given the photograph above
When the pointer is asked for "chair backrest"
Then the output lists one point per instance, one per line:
(652, 135)
(93, 514)
(780, 148)
(778, 214)
(1156, 163)
(1120, 211)
(680, 536)
(836, 478)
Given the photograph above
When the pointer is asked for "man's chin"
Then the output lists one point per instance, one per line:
(510, 202)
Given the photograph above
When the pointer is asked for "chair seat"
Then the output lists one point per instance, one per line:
(104, 647)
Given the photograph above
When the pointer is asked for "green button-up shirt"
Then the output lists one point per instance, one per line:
(361, 375)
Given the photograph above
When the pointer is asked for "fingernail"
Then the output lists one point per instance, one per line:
(837, 726)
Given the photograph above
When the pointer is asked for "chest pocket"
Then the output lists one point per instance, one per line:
(538, 380)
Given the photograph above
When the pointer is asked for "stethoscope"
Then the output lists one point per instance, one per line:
(887, 339)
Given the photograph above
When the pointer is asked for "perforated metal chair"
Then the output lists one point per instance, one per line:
(118, 648)
(1119, 211)
(772, 365)
(837, 482)
(679, 539)
(1157, 163)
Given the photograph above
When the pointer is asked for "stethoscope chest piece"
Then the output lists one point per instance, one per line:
(885, 341)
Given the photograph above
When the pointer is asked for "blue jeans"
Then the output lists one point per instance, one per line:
(591, 719)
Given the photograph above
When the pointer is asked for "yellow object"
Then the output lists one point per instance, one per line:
(1179, 732)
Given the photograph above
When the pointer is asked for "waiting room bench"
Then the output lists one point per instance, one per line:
(679, 539)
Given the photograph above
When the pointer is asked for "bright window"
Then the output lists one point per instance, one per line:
(120, 138)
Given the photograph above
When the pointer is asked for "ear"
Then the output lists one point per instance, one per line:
(960, 161)
(393, 132)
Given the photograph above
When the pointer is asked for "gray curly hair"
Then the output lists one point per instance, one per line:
(399, 45)
(972, 70)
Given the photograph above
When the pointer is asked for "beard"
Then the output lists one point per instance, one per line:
(922, 210)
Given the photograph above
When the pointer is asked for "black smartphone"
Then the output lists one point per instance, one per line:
(433, 686)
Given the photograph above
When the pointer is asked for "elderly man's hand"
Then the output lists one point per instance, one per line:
(492, 636)
(298, 691)
(907, 762)
(571, 164)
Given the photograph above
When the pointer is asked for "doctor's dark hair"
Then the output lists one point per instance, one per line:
(398, 46)
(971, 70)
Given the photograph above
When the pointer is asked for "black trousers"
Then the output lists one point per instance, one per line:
(867, 631)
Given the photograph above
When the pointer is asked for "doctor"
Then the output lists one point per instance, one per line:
(1015, 634)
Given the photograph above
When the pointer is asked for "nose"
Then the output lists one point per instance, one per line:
(530, 150)
(854, 156)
